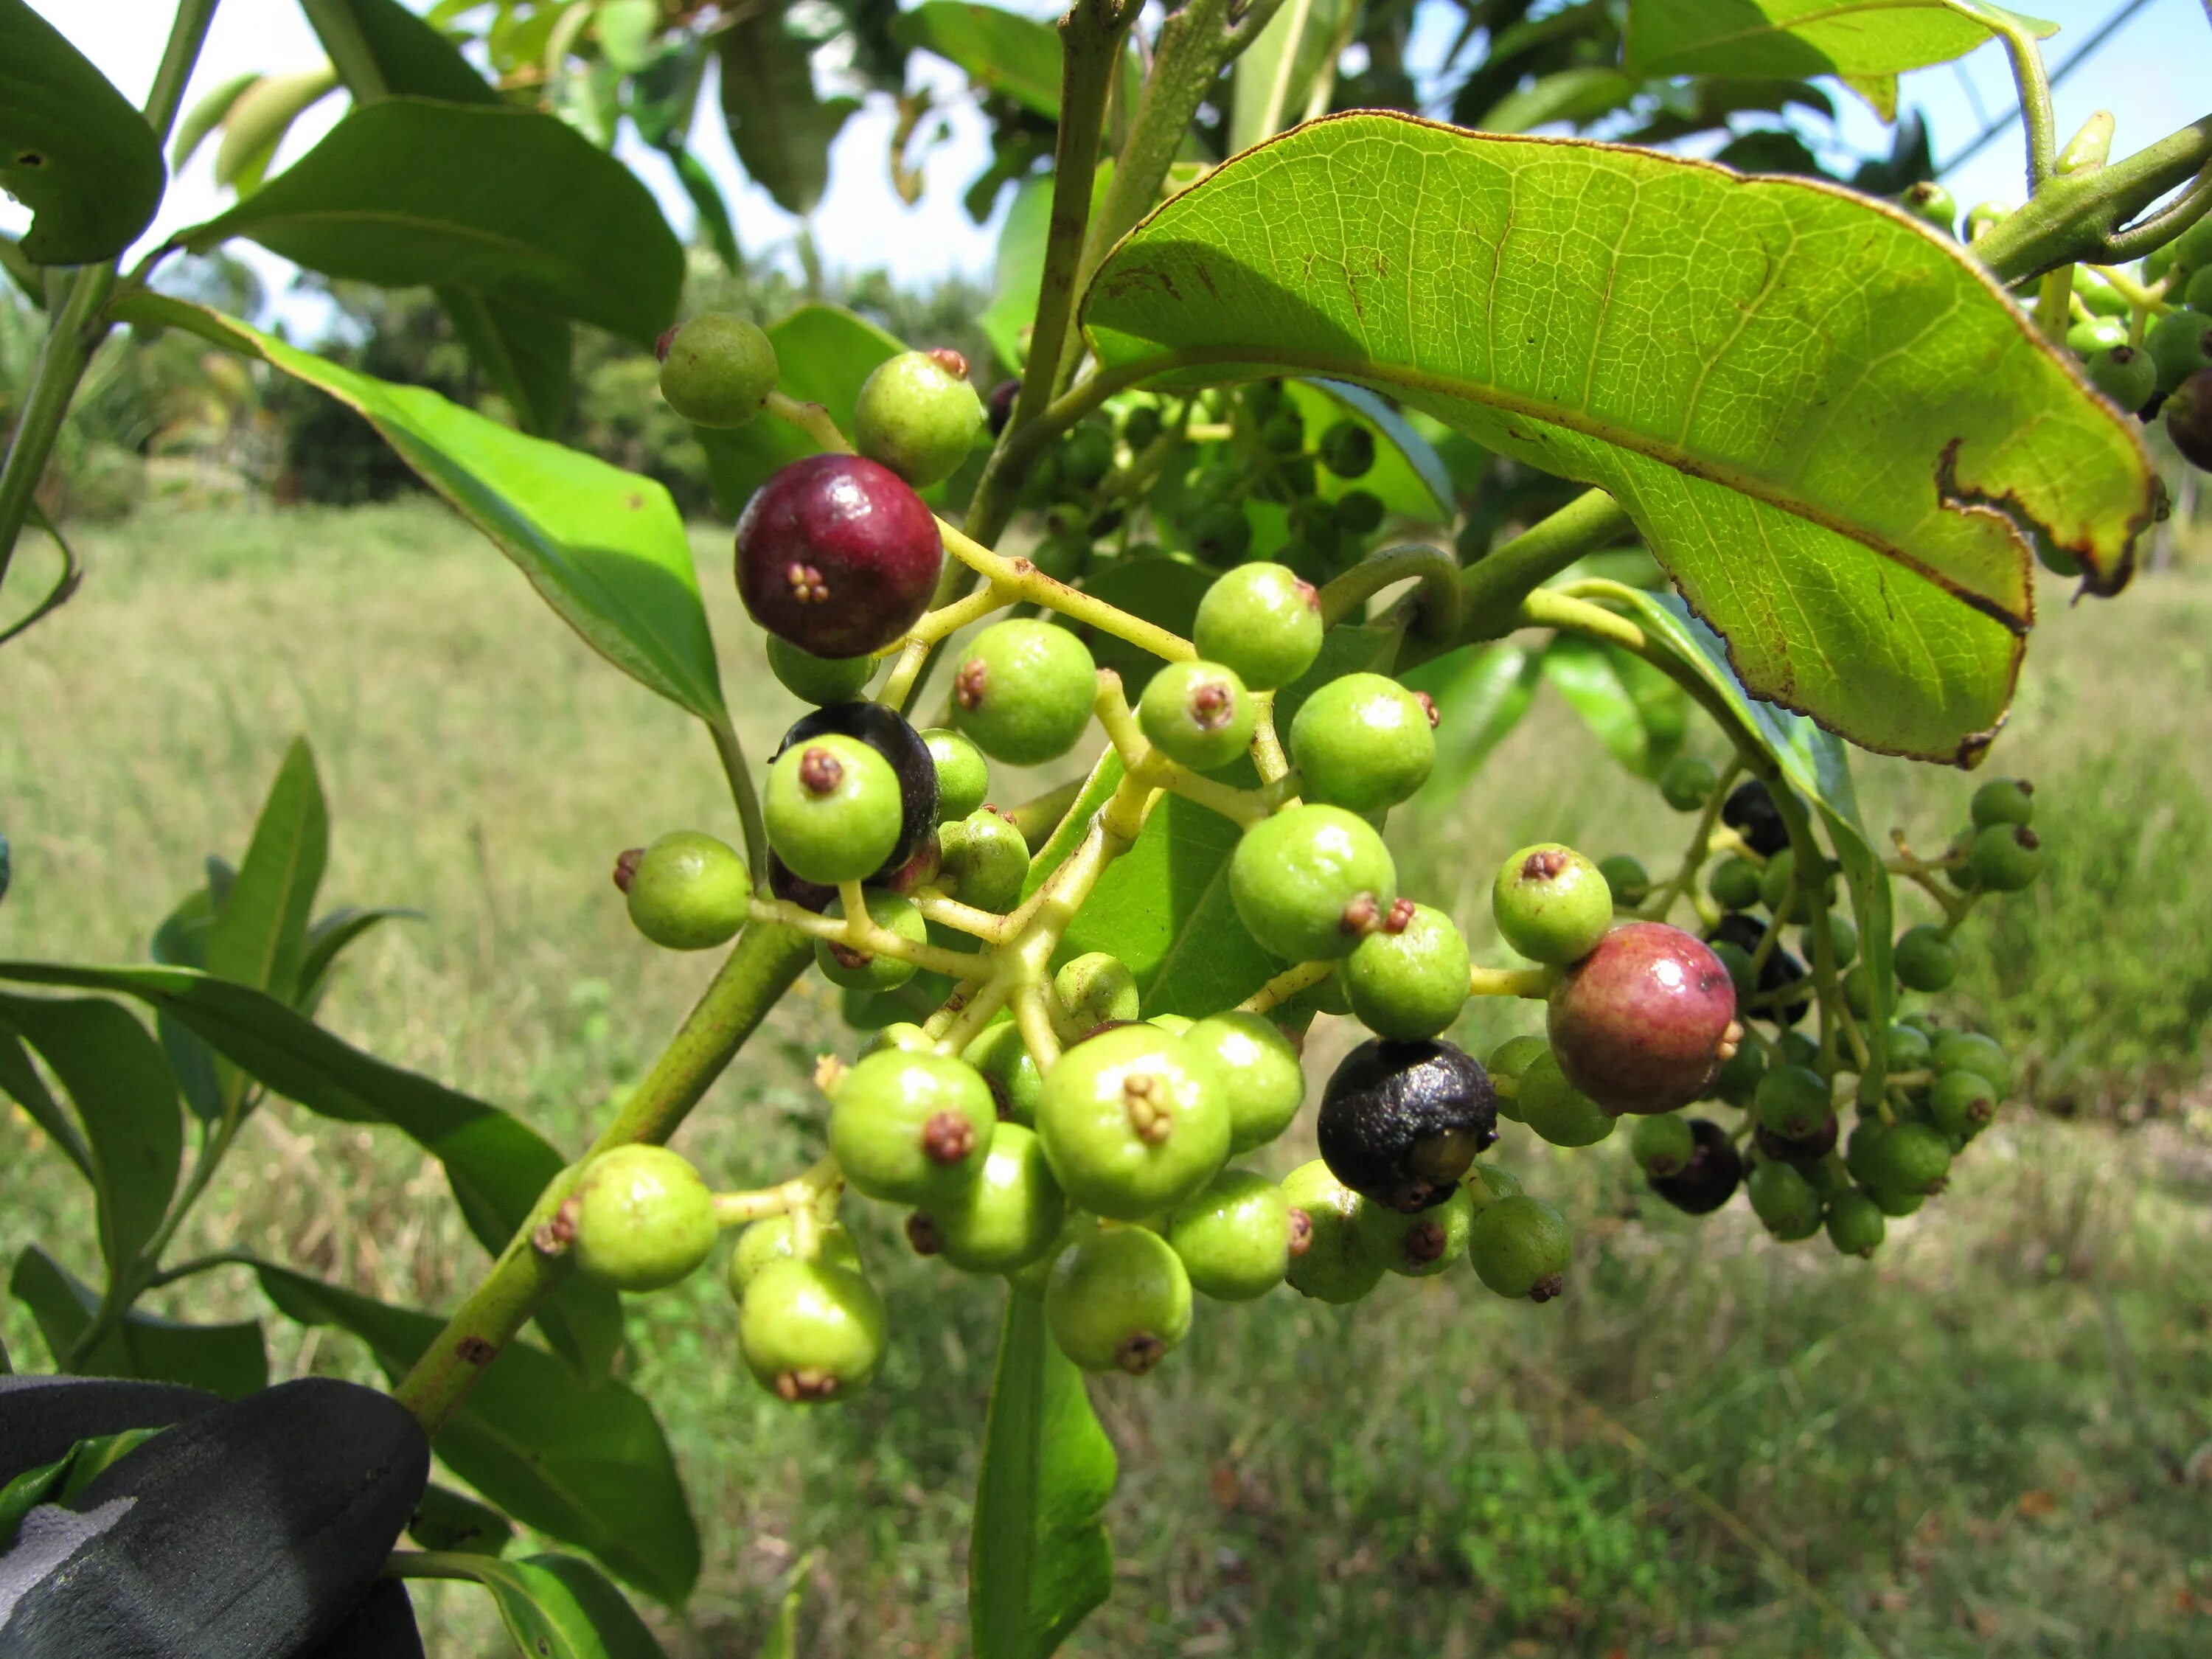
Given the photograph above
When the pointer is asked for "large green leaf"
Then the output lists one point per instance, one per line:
(587, 1465)
(21, 1082)
(507, 201)
(229, 1360)
(72, 149)
(780, 128)
(1781, 38)
(114, 1074)
(1038, 1558)
(447, 1520)
(526, 355)
(1815, 762)
(1017, 276)
(330, 937)
(1639, 714)
(259, 936)
(414, 58)
(558, 1607)
(823, 354)
(1001, 50)
(497, 1164)
(604, 547)
(1825, 421)
(1275, 75)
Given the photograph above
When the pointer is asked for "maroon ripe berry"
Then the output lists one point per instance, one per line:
(1809, 1150)
(2189, 418)
(1642, 1022)
(1001, 408)
(1709, 1179)
(1401, 1122)
(837, 556)
(796, 889)
(886, 733)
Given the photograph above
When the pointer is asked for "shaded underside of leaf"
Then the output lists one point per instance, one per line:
(1831, 427)
(1854, 38)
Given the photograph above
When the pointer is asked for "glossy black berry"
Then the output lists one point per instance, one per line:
(2189, 419)
(837, 556)
(1709, 1179)
(1401, 1122)
(1000, 408)
(1751, 812)
(904, 748)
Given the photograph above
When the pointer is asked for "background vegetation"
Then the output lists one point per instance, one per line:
(1991, 1442)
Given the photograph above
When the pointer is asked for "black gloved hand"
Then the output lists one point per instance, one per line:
(253, 1529)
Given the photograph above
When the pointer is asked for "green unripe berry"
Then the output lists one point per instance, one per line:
(1778, 881)
(1737, 1080)
(902, 1034)
(818, 680)
(2007, 857)
(1262, 623)
(2125, 374)
(918, 415)
(964, 776)
(2178, 344)
(717, 370)
(833, 809)
(1335, 1264)
(1911, 1158)
(1961, 1104)
(2095, 334)
(1133, 1121)
(1784, 1200)
(2197, 296)
(1626, 879)
(1086, 456)
(642, 1218)
(1688, 782)
(687, 891)
(1843, 940)
(810, 1331)
(1284, 432)
(1347, 449)
(1923, 959)
(1507, 1063)
(1551, 904)
(1796, 1048)
(1985, 216)
(2004, 800)
(1141, 426)
(1024, 691)
(1259, 1073)
(1418, 1244)
(1556, 1109)
(1794, 1102)
(1006, 1218)
(1855, 1224)
(1311, 882)
(1090, 990)
(1932, 204)
(1906, 1048)
(1497, 1181)
(1221, 535)
(1893, 1202)
(1118, 1300)
(2192, 249)
(911, 1129)
(1521, 1247)
(1009, 1070)
(1735, 884)
(769, 1240)
(1737, 960)
(2099, 296)
(1970, 1051)
(1198, 714)
(1360, 512)
(1858, 992)
(1410, 982)
(1363, 742)
(1662, 1145)
(1233, 1236)
(983, 861)
(859, 971)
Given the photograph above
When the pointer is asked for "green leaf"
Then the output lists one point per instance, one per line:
(258, 119)
(526, 355)
(507, 201)
(228, 1359)
(330, 936)
(783, 1638)
(1767, 39)
(126, 1102)
(558, 1607)
(259, 936)
(587, 1465)
(21, 1082)
(62, 1479)
(1570, 94)
(1001, 50)
(1275, 75)
(714, 212)
(1816, 764)
(780, 129)
(823, 354)
(604, 547)
(72, 149)
(1038, 1558)
(497, 1164)
(181, 942)
(414, 58)
(1018, 274)
(1638, 714)
(1482, 693)
(1754, 367)
(447, 1520)
(204, 116)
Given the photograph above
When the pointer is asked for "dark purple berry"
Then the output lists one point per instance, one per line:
(1401, 1122)
(1811, 1149)
(890, 736)
(1751, 812)
(1001, 408)
(1642, 1022)
(2189, 419)
(1710, 1178)
(837, 556)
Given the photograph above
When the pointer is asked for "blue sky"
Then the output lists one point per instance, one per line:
(2155, 75)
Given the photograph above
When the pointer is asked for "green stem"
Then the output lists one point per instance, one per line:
(1090, 38)
(187, 35)
(1491, 589)
(759, 970)
(732, 754)
(1437, 608)
(2077, 218)
(351, 54)
(2034, 84)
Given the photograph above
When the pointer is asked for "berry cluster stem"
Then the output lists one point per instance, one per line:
(802, 1191)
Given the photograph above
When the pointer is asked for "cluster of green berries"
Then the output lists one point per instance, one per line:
(2158, 361)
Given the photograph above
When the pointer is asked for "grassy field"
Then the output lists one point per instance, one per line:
(1986, 1443)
